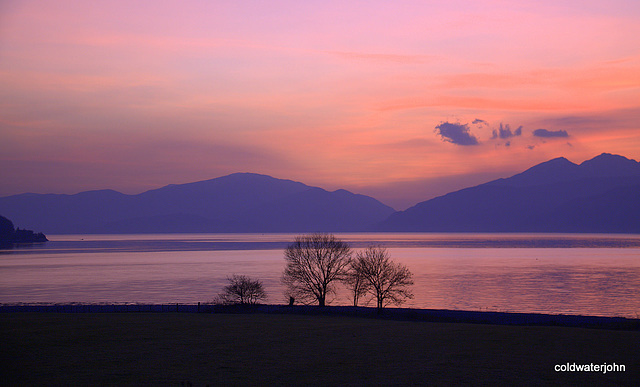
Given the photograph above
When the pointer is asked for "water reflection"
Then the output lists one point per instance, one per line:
(596, 281)
(64, 244)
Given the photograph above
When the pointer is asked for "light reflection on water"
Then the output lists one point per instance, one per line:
(489, 276)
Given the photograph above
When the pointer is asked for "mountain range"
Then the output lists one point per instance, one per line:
(241, 202)
(599, 195)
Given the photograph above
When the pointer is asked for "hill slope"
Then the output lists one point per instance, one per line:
(9, 235)
(241, 202)
(599, 195)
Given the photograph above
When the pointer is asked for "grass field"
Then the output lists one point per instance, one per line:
(274, 349)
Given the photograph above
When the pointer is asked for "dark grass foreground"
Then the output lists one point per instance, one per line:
(430, 315)
(300, 349)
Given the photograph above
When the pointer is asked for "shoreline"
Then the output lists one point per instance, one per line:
(402, 314)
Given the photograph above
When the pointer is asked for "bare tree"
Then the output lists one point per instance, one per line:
(242, 290)
(357, 285)
(388, 281)
(313, 263)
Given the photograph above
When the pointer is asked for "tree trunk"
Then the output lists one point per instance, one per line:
(321, 301)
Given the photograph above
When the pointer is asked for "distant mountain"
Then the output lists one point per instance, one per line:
(599, 195)
(241, 202)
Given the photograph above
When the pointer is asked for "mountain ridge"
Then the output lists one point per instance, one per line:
(599, 195)
(239, 202)
(536, 200)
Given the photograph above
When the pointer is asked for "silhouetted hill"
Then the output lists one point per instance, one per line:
(241, 202)
(9, 235)
(599, 195)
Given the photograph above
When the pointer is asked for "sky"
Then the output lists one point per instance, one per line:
(403, 101)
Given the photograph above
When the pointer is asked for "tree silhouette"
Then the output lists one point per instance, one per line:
(388, 281)
(357, 285)
(313, 263)
(10, 235)
(242, 290)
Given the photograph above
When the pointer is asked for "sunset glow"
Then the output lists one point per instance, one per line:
(137, 95)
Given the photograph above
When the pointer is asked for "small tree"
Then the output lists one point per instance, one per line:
(388, 281)
(313, 263)
(242, 290)
(357, 284)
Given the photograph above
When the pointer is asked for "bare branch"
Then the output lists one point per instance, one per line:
(313, 263)
(388, 281)
(242, 290)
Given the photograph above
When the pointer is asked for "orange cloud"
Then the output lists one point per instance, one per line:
(394, 58)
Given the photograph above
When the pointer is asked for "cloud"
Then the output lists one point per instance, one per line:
(505, 132)
(626, 119)
(410, 144)
(582, 121)
(480, 122)
(456, 133)
(550, 133)
(407, 59)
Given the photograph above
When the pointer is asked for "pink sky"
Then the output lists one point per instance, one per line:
(137, 95)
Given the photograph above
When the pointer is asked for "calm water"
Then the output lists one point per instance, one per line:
(569, 274)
